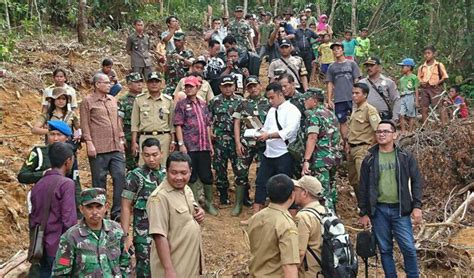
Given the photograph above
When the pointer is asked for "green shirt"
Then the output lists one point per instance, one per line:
(363, 48)
(408, 84)
(265, 30)
(388, 188)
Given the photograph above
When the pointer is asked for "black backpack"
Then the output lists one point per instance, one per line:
(338, 259)
(366, 247)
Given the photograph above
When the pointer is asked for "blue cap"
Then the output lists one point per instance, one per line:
(407, 62)
(60, 126)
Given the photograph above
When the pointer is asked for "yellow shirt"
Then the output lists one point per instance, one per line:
(310, 234)
(273, 241)
(363, 124)
(149, 114)
(170, 214)
(326, 53)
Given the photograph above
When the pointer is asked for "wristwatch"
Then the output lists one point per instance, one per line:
(180, 143)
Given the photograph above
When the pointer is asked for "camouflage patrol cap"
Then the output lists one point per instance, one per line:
(239, 9)
(179, 36)
(93, 195)
(154, 75)
(227, 79)
(134, 77)
(313, 92)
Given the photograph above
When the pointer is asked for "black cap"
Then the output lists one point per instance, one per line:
(154, 75)
(372, 61)
(285, 42)
(227, 79)
(252, 79)
(337, 44)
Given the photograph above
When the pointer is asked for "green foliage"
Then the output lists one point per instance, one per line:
(7, 46)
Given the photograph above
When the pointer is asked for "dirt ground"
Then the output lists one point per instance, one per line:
(227, 253)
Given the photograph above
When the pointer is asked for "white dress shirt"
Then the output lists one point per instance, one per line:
(289, 118)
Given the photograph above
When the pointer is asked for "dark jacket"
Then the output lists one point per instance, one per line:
(408, 177)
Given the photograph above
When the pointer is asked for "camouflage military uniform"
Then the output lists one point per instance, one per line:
(176, 69)
(125, 112)
(240, 30)
(222, 110)
(141, 182)
(251, 107)
(82, 253)
(327, 152)
(38, 161)
(298, 101)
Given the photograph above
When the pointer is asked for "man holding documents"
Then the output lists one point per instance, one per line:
(248, 119)
(280, 128)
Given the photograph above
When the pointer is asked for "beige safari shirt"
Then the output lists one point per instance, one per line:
(363, 124)
(205, 92)
(170, 213)
(149, 114)
(273, 242)
(295, 62)
(310, 234)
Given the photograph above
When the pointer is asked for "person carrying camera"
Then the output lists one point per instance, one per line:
(383, 94)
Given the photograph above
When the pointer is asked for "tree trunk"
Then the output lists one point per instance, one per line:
(331, 15)
(354, 17)
(374, 21)
(162, 7)
(318, 9)
(470, 24)
(275, 8)
(226, 8)
(7, 17)
(82, 22)
(246, 4)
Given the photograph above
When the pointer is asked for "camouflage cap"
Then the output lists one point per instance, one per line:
(313, 92)
(310, 184)
(154, 75)
(239, 9)
(134, 77)
(93, 195)
(227, 79)
(179, 36)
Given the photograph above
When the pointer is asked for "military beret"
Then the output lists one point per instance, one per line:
(252, 79)
(179, 36)
(154, 75)
(60, 126)
(313, 92)
(134, 76)
(227, 79)
(93, 195)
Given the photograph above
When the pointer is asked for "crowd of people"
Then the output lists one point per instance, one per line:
(167, 143)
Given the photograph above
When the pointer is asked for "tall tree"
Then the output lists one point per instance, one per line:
(82, 22)
(7, 16)
(354, 17)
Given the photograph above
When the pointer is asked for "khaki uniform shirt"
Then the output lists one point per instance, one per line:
(309, 234)
(149, 114)
(362, 124)
(205, 92)
(139, 47)
(273, 242)
(295, 62)
(170, 214)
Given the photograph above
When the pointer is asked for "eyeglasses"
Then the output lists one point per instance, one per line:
(105, 82)
(384, 131)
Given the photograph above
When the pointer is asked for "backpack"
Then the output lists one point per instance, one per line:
(338, 259)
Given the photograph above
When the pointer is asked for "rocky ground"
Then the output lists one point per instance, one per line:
(226, 249)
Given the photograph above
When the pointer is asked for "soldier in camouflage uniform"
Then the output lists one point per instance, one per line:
(222, 107)
(255, 106)
(240, 30)
(178, 62)
(38, 161)
(322, 152)
(95, 246)
(141, 182)
(125, 106)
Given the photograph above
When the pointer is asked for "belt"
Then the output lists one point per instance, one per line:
(356, 145)
(154, 133)
(406, 95)
(396, 205)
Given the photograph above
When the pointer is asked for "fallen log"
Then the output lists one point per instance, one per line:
(14, 262)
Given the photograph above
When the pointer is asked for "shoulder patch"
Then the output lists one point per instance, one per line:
(64, 261)
(31, 158)
(373, 118)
